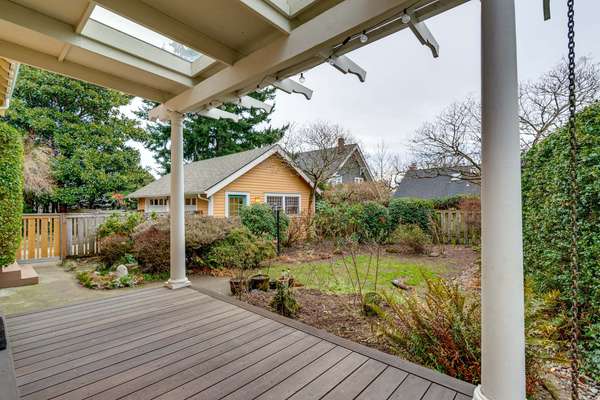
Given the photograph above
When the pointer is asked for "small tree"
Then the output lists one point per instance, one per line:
(318, 143)
(11, 192)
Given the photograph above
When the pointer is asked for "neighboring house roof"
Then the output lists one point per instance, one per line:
(339, 155)
(210, 176)
(8, 77)
(432, 184)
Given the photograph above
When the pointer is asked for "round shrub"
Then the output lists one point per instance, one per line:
(11, 192)
(374, 222)
(151, 247)
(411, 211)
(201, 232)
(241, 249)
(114, 248)
(411, 236)
(260, 220)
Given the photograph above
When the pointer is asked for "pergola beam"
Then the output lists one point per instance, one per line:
(160, 22)
(274, 18)
(322, 32)
(63, 32)
(45, 61)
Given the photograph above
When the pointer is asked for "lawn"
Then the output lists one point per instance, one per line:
(340, 275)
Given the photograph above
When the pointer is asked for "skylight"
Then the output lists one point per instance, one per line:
(115, 21)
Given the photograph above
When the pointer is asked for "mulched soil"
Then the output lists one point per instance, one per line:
(336, 314)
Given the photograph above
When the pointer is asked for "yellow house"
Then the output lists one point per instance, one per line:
(221, 186)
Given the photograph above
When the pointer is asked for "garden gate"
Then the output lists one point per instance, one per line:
(48, 237)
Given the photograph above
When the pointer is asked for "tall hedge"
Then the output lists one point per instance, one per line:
(11, 192)
(411, 211)
(546, 222)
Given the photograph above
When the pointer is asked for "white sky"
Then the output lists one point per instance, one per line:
(406, 86)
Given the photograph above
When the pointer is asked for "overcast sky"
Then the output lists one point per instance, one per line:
(406, 86)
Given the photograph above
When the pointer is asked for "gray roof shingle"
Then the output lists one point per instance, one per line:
(308, 160)
(431, 184)
(201, 175)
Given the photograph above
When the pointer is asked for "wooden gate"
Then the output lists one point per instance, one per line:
(41, 238)
(48, 237)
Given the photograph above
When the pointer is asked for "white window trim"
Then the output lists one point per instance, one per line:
(284, 195)
(359, 179)
(227, 194)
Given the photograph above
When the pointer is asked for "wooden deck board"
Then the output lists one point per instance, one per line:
(191, 344)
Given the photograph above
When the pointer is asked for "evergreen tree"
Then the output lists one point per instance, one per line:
(88, 133)
(207, 138)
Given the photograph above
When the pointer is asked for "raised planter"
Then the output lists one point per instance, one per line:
(16, 275)
(259, 282)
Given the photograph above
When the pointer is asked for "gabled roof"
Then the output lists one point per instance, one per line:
(210, 176)
(340, 154)
(433, 183)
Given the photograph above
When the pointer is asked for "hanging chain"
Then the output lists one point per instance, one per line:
(574, 196)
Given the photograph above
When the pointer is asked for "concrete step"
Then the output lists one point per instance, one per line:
(18, 275)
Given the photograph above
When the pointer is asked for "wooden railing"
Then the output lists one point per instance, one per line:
(459, 227)
(47, 237)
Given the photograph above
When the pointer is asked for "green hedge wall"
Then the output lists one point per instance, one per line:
(408, 211)
(11, 192)
(546, 222)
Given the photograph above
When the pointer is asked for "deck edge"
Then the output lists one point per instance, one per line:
(446, 381)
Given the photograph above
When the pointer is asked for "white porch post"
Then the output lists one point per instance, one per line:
(502, 336)
(177, 205)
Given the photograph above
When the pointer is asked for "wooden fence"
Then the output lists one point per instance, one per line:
(47, 237)
(459, 227)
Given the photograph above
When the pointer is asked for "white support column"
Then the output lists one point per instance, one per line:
(177, 205)
(502, 339)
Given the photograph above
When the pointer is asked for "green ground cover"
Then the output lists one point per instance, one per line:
(340, 275)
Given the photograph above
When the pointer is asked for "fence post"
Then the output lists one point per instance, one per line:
(63, 237)
(277, 211)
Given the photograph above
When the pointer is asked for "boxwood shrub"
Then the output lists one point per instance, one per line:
(408, 211)
(11, 192)
(260, 220)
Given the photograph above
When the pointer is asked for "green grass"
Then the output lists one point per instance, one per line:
(337, 276)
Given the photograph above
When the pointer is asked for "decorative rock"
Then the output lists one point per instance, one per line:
(121, 271)
(400, 285)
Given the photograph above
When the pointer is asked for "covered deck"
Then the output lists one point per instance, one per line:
(189, 344)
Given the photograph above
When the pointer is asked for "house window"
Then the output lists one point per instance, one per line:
(190, 201)
(289, 203)
(235, 202)
(275, 201)
(158, 202)
(336, 180)
(358, 179)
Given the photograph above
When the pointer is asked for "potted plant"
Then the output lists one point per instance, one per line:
(259, 281)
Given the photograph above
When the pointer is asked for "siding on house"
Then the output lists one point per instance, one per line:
(352, 169)
(273, 175)
(202, 207)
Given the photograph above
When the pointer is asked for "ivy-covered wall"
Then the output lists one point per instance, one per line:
(546, 222)
(11, 192)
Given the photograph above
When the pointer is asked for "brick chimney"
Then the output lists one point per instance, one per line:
(341, 142)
